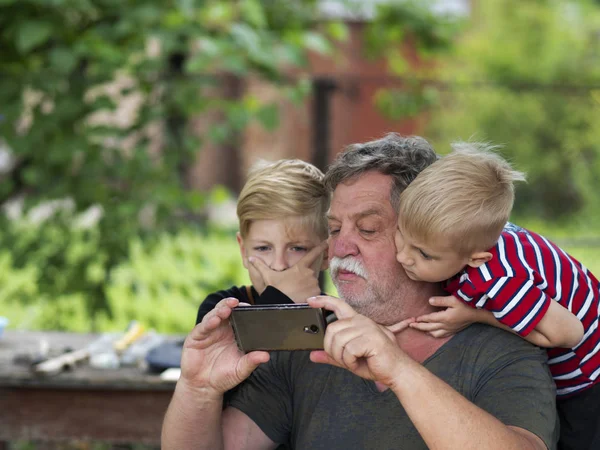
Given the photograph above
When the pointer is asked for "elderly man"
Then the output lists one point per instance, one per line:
(378, 383)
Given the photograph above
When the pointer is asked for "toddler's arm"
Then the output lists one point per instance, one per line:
(558, 328)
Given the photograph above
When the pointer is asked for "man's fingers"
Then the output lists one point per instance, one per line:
(249, 362)
(308, 259)
(341, 309)
(214, 318)
(203, 334)
(222, 309)
(400, 326)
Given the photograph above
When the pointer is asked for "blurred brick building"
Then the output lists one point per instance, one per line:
(339, 112)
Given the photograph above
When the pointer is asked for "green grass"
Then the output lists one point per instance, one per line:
(579, 238)
(588, 256)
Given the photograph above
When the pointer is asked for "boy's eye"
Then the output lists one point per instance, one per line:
(298, 248)
(424, 255)
(262, 248)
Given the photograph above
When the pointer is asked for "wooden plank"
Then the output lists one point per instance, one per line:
(56, 414)
(85, 404)
(83, 376)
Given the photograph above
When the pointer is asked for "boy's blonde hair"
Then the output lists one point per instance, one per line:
(462, 200)
(278, 190)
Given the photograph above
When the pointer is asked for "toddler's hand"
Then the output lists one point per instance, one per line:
(456, 317)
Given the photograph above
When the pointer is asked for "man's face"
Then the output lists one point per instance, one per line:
(362, 252)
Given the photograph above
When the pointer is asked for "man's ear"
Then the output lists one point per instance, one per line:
(240, 241)
(479, 258)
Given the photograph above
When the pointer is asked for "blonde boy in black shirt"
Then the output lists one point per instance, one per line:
(282, 235)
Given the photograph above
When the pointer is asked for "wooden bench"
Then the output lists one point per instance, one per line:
(119, 405)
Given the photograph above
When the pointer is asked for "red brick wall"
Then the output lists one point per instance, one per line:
(353, 115)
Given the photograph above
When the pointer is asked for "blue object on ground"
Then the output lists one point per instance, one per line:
(165, 356)
(3, 323)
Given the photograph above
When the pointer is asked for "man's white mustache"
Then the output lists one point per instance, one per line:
(349, 264)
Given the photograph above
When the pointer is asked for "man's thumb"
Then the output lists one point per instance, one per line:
(249, 362)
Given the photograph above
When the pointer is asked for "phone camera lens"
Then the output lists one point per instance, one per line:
(312, 329)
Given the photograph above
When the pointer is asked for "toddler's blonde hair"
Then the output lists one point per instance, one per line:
(462, 201)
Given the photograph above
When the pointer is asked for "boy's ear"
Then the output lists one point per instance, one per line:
(479, 258)
(240, 241)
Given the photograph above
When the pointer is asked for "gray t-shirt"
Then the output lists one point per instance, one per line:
(324, 407)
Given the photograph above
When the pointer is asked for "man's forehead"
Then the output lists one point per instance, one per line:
(371, 185)
(358, 212)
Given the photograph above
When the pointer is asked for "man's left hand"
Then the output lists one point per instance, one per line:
(360, 345)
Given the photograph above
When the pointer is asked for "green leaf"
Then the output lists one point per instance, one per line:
(195, 200)
(62, 59)
(269, 116)
(219, 134)
(31, 34)
(297, 93)
(246, 37)
(174, 19)
(316, 42)
(217, 14)
(338, 31)
(219, 194)
(397, 62)
(254, 13)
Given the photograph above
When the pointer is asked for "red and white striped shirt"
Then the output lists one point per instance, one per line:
(525, 274)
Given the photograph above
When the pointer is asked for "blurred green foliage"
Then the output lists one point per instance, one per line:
(163, 285)
(426, 35)
(70, 67)
(96, 102)
(47, 271)
(526, 76)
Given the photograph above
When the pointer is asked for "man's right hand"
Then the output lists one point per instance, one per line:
(211, 359)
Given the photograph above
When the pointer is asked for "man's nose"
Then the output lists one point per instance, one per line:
(342, 245)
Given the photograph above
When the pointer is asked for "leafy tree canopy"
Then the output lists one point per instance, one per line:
(526, 75)
(96, 98)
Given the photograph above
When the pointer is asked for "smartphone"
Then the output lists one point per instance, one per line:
(294, 326)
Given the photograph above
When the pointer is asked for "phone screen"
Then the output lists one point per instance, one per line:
(294, 326)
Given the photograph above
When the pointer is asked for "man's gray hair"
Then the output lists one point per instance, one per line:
(401, 157)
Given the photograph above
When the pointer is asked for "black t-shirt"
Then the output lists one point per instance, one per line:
(270, 296)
